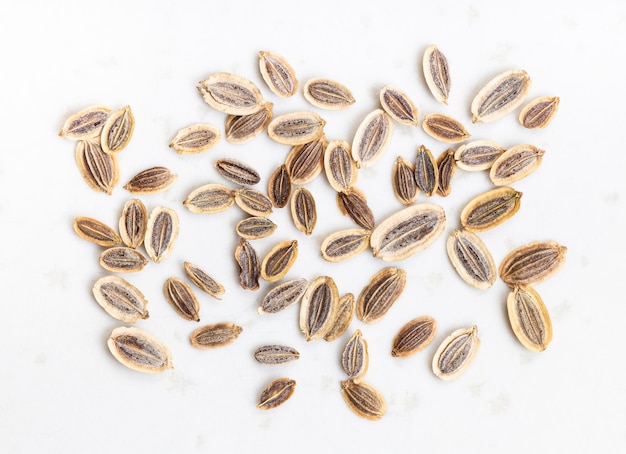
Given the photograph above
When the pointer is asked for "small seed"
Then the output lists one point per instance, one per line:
(237, 171)
(490, 209)
(276, 393)
(210, 198)
(278, 74)
(456, 353)
(244, 128)
(283, 295)
(305, 162)
(538, 113)
(122, 260)
(182, 299)
(231, 94)
(532, 263)
(276, 354)
(414, 336)
(444, 128)
(296, 128)
(117, 130)
(96, 231)
(279, 187)
(399, 106)
(364, 400)
(327, 94)
(529, 318)
(216, 335)
(99, 170)
(426, 172)
(86, 124)
(499, 96)
(437, 73)
(345, 312)
(248, 262)
(195, 139)
(371, 138)
(354, 204)
(355, 357)
(279, 260)
(255, 227)
(161, 233)
(139, 350)
(133, 223)
(253, 202)
(152, 180)
(303, 210)
(380, 294)
(203, 280)
(477, 155)
(403, 181)
(446, 165)
(471, 259)
(318, 308)
(345, 244)
(341, 170)
(120, 299)
(515, 163)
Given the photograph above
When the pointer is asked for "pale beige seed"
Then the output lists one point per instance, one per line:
(122, 259)
(426, 172)
(203, 280)
(515, 163)
(161, 233)
(414, 337)
(398, 105)
(345, 244)
(437, 73)
(182, 299)
(296, 128)
(276, 393)
(99, 170)
(305, 162)
(117, 130)
(403, 181)
(231, 94)
(255, 227)
(471, 259)
(237, 171)
(139, 350)
(446, 165)
(275, 354)
(279, 260)
(86, 124)
(133, 223)
(371, 138)
(283, 295)
(500, 96)
(456, 353)
(318, 308)
(364, 400)
(538, 113)
(210, 198)
(532, 263)
(408, 231)
(341, 170)
(477, 155)
(244, 128)
(248, 261)
(151, 181)
(345, 312)
(377, 297)
(278, 74)
(490, 209)
(279, 187)
(303, 211)
(355, 357)
(327, 94)
(353, 203)
(215, 335)
(120, 299)
(96, 231)
(195, 138)
(529, 318)
(253, 202)
(444, 128)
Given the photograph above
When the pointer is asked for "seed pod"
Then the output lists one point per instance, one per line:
(355, 357)
(426, 173)
(133, 223)
(96, 231)
(296, 128)
(403, 181)
(305, 162)
(490, 209)
(279, 260)
(371, 138)
(244, 128)
(538, 113)
(138, 350)
(471, 259)
(414, 336)
(122, 260)
(276, 393)
(437, 73)
(120, 299)
(195, 139)
(364, 400)
(303, 210)
(203, 280)
(398, 105)
(210, 198)
(345, 244)
(456, 353)
(248, 262)
(151, 181)
(514, 164)
(354, 204)
(345, 312)
(161, 233)
(318, 308)
(117, 130)
(532, 263)
(86, 124)
(380, 294)
(231, 94)
(283, 295)
(278, 74)
(341, 170)
(477, 155)
(500, 95)
(216, 335)
(444, 128)
(237, 171)
(327, 94)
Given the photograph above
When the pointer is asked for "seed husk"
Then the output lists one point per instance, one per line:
(120, 299)
(414, 336)
(403, 181)
(398, 105)
(278, 74)
(500, 95)
(345, 312)
(255, 227)
(161, 233)
(355, 357)
(86, 124)
(364, 400)
(446, 165)
(244, 128)
(296, 128)
(529, 318)
(139, 350)
(345, 244)
(305, 162)
(444, 128)
(151, 181)
(303, 210)
(96, 231)
(99, 170)
(231, 94)
(354, 204)
(471, 259)
(203, 281)
(279, 260)
(122, 259)
(248, 262)
(279, 187)
(133, 223)
(437, 73)
(274, 354)
(371, 138)
(195, 138)
(426, 172)
(210, 198)
(276, 393)
(380, 294)
(456, 353)
(237, 171)
(538, 113)
(408, 231)
(318, 307)
(532, 263)
(341, 170)
(180, 296)
(117, 130)
(253, 202)
(515, 163)
(477, 155)
(283, 295)
(327, 94)
(215, 335)
(490, 209)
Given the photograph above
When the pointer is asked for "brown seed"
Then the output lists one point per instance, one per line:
(500, 95)
(398, 105)
(327, 94)
(248, 262)
(371, 138)
(152, 180)
(355, 357)
(515, 163)
(538, 113)
(471, 259)
(364, 400)
(231, 94)
(117, 130)
(120, 299)
(278, 74)
(414, 336)
(279, 187)
(303, 210)
(403, 181)
(456, 353)
(296, 128)
(529, 318)
(161, 233)
(86, 124)
(237, 171)
(182, 299)
(444, 128)
(195, 139)
(276, 354)
(354, 204)
(216, 335)
(318, 308)
(380, 294)
(203, 280)
(99, 170)
(96, 231)
(345, 312)
(139, 350)
(133, 223)
(446, 165)
(477, 155)
(283, 295)
(255, 227)
(253, 202)
(122, 260)
(532, 263)
(305, 162)
(426, 172)
(244, 128)
(437, 73)
(276, 393)
(490, 209)
(345, 244)
(210, 198)
(279, 260)
(341, 170)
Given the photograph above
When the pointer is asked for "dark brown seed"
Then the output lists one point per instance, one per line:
(380, 294)
(96, 231)
(276, 354)
(318, 308)
(279, 260)
(345, 244)
(345, 312)
(490, 209)
(238, 172)
(122, 260)
(195, 139)
(216, 335)
(99, 170)
(283, 295)
(86, 124)
(364, 400)
(279, 187)
(248, 262)
(253, 202)
(117, 130)
(210, 198)
(161, 233)
(243, 128)
(255, 227)
(532, 263)
(276, 393)
(403, 181)
(152, 180)
(138, 350)
(444, 128)
(181, 298)
(414, 336)
(539, 112)
(303, 210)
(446, 165)
(354, 204)
(426, 173)
(133, 223)
(203, 280)
(304, 162)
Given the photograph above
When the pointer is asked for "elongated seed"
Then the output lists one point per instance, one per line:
(279, 260)
(471, 259)
(182, 299)
(327, 94)
(437, 73)
(278, 74)
(500, 95)
(345, 244)
(529, 318)
(444, 128)
(477, 155)
(96, 231)
(274, 354)
(305, 162)
(122, 260)
(86, 124)
(296, 128)
(345, 312)
(426, 173)
(215, 335)
(318, 307)
(355, 357)
(371, 138)
(120, 299)
(414, 336)
(490, 209)
(446, 165)
(341, 170)
(152, 180)
(354, 204)
(276, 393)
(514, 164)
(403, 181)
(210, 198)
(398, 105)
(538, 113)
(231, 94)
(117, 130)
(244, 128)
(248, 262)
(380, 294)
(253, 202)
(532, 263)
(139, 350)
(237, 171)
(203, 281)
(303, 211)
(99, 170)
(279, 187)
(283, 295)
(456, 353)
(195, 138)
(255, 227)
(133, 223)
(364, 400)
(161, 233)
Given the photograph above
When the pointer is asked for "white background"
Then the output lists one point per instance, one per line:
(62, 391)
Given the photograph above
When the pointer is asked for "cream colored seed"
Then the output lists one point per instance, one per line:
(471, 259)
(344, 244)
(283, 295)
(355, 357)
(215, 335)
(278, 74)
(253, 202)
(403, 181)
(296, 128)
(532, 263)
(490, 209)
(122, 260)
(120, 299)
(133, 223)
(437, 73)
(514, 164)
(327, 94)
(500, 96)
(203, 281)
(276, 393)
(244, 128)
(279, 260)
(195, 138)
(152, 180)
(86, 124)
(371, 138)
(255, 227)
(161, 233)
(538, 113)
(96, 231)
(210, 198)
(341, 170)
(364, 400)
(318, 308)
(345, 312)
(279, 187)
(249, 267)
(444, 128)
(426, 172)
(398, 105)
(456, 353)
(117, 130)
(276, 354)
(529, 318)
(231, 94)
(303, 211)
(237, 171)
(139, 350)
(477, 155)
(99, 169)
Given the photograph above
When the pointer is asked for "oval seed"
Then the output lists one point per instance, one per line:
(237, 171)
(414, 336)
(283, 295)
(210, 198)
(456, 353)
(398, 105)
(490, 209)
(364, 400)
(444, 128)
(403, 181)
(161, 233)
(120, 299)
(538, 113)
(231, 94)
(122, 260)
(529, 318)
(296, 128)
(532, 263)
(276, 354)
(86, 124)
(139, 350)
(303, 210)
(133, 223)
(515, 163)
(203, 280)
(327, 94)
(278, 74)
(371, 138)
(279, 260)
(117, 130)
(446, 165)
(380, 294)
(248, 262)
(355, 357)
(216, 335)
(253, 202)
(341, 170)
(500, 95)
(99, 170)
(152, 180)
(244, 128)
(426, 172)
(195, 138)
(345, 244)
(354, 204)
(96, 231)
(305, 162)
(318, 307)
(255, 227)
(471, 259)
(182, 299)
(276, 393)
(279, 187)
(477, 155)
(345, 311)
(437, 73)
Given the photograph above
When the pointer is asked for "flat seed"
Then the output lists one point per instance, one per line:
(538, 113)
(318, 308)
(437, 73)
(210, 198)
(122, 260)
(139, 350)
(278, 74)
(231, 94)
(341, 170)
(408, 231)
(426, 172)
(182, 299)
(152, 180)
(444, 128)
(86, 124)
(398, 105)
(344, 244)
(354, 204)
(446, 165)
(276, 354)
(471, 259)
(500, 95)
(161, 233)
(195, 138)
(303, 210)
(529, 318)
(203, 281)
(96, 231)
(305, 162)
(414, 336)
(532, 263)
(515, 163)
(99, 170)
(380, 294)
(255, 227)
(253, 202)
(279, 260)
(283, 295)
(477, 155)
(355, 357)
(117, 130)
(276, 393)
(490, 209)
(237, 171)
(215, 335)
(345, 312)
(133, 223)
(279, 187)
(120, 299)
(327, 94)
(364, 400)
(456, 353)
(296, 128)
(403, 181)
(244, 128)
(371, 138)
(248, 262)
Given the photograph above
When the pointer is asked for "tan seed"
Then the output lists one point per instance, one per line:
(514, 164)
(364, 400)
(96, 231)
(231, 94)
(248, 262)
(355, 357)
(490, 209)
(471, 259)
(255, 227)
(151, 181)
(215, 335)
(500, 96)
(403, 181)
(529, 318)
(344, 244)
(139, 350)
(133, 223)
(414, 336)
(380, 294)
(253, 202)
(279, 187)
(99, 170)
(120, 299)
(456, 353)
(161, 233)
(354, 204)
(210, 198)
(477, 155)
(195, 138)
(86, 124)
(305, 162)
(538, 113)
(327, 94)
(318, 308)
(283, 295)
(532, 263)
(437, 73)
(296, 128)
(278, 74)
(444, 128)
(279, 260)
(446, 165)
(341, 170)
(426, 172)
(182, 299)
(237, 171)
(345, 312)
(244, 128)
(398, 105)
(275, 354)
(371, 138)
(122, 260)
(117, 130)
(203, 281)
(276, 393)
(303, 210)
